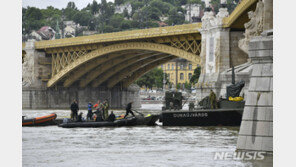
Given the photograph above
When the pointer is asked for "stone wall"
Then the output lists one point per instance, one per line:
(256, 131)
(236, 54)
(61, 98)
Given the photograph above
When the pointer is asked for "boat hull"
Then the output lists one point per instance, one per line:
(40, 121)
(214, 117)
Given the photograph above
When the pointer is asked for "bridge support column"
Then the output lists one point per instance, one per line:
(215, 52)
(256, 131)
(34, 67)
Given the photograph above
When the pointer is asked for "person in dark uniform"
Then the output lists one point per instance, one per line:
(129, 109)
(111, 117)
(79, 117)
(74, 109)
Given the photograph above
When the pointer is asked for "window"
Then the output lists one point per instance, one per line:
(168, 66)
(189, 76)
(168, 76)
(190, 66)
(181, 66)
(172, 66)
(181, 76)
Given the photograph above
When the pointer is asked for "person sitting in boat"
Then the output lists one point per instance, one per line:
(111, 117)
(74, 109)
(129, 109)
(89, 113)
(79, 117)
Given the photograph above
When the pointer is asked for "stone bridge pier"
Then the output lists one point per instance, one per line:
(247, 46)
(36, 71)
(219, 53)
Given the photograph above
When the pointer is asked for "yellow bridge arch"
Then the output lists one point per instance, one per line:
(156, 52)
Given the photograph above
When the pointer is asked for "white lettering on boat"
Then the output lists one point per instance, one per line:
(188, 115)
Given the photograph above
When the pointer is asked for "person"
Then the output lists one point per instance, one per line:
(213, 100)
(89, 113)
(74, 109)
(98, 111)
(111, 117)
(128, 109)
(105, 109)
(79, 117)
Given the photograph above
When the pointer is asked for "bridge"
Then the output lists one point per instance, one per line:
(120, 58)
(104, 65)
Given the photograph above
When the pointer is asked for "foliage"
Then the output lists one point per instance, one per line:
(99, 15)
(195, 76)
(82, 17)
(188, 86)
(153, 78)
(175, 17)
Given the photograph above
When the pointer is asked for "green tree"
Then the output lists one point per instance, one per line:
(175, 17)
(163, 7)
(82, 17)
(33, 19)
(153, 78)
(188, 86)
(125, 13)
(118, 2)
(195, 76)
(94, 7)
(70, 10)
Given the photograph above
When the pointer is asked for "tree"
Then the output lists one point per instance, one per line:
(153, 78)
(195, 76)
(175, 17)
(33, 19)
(125, 13)
(188, 86)
(118, 2)
(70, 10)
(82, 17)
(94, 7)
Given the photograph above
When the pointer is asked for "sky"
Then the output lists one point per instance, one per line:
(42, 4)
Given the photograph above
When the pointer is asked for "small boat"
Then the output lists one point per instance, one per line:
(129, 121)
(40, 121)
(92, 124)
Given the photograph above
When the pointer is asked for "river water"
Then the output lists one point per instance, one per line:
(52, 146)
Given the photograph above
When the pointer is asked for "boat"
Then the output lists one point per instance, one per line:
(204, 117)
(40, 121)
(129, 121)
(224, 112)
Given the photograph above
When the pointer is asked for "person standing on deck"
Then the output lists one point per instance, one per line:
(74, 109)
(89, 113)
(129, 109)
(105, 109)
(213, 100)
(98, 111)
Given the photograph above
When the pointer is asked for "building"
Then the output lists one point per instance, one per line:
(120, 9)
(192, 10)
(184, 72)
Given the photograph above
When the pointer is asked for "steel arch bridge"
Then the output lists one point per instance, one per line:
(122, 57)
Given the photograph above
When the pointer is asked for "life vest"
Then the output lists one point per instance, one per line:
(236, 98)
